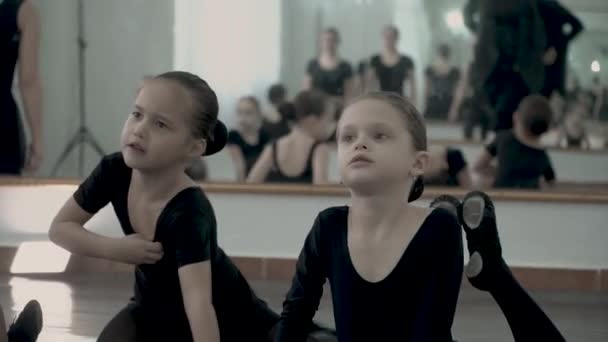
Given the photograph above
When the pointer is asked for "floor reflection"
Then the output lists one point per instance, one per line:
(77, 307)
(54, 297)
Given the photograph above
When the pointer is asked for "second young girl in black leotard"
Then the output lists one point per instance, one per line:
(394, 269)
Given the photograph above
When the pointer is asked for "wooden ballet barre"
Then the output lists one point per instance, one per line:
(339, 191)
(573, 150)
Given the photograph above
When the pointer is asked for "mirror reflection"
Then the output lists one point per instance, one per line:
(466, 66)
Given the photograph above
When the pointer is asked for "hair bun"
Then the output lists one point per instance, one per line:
(287, 111)
(417, 189)
(219, 140)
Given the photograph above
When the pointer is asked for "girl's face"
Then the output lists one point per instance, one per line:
(329, 41)
(248, 115)
(389, 38)
(157, 133)
(374, 146)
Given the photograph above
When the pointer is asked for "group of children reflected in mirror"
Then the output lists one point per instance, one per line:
(295, 147)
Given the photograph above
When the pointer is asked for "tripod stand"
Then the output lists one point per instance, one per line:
(83, 136)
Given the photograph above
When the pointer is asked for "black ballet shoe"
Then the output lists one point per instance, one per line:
(320, 333)
(322, 336)
(28, 324)
(450, 203)
(486, 266)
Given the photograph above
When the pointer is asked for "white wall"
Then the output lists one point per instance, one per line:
(126, 40)
(537, 234)
(233, 44)
(300, 27)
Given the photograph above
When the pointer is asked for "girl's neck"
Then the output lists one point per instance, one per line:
(441, 64)
(272, 114)
(249, 132)
(390, 51)
(331, 55)
(158, 184)
(300, 133)
(378, 212)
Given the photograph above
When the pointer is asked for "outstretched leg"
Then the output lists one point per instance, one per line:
(3, 336)
(26, 327)
(122, 328)
(488, 271)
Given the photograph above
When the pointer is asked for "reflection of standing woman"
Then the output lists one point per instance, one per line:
(390, 69)
(441, 79)
(19, 39)
(328, 72)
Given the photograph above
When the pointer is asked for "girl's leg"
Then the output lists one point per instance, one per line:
(27, 326)
(122, 328)
(3, 336)
(488, 271)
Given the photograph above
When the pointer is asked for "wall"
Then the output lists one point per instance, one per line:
(233, 44)
(126, 40)
(300, 26)
(533, 234)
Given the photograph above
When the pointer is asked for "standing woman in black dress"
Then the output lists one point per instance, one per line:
(328, 72)
(19, 40)
(390, 69)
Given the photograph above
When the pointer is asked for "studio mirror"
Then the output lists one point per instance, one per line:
(91, 71)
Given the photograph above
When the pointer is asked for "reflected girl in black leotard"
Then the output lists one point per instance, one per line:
(440, 83)
(301, 156)
(328, 72)
(390, 70)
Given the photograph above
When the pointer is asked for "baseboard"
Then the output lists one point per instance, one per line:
(281, 269)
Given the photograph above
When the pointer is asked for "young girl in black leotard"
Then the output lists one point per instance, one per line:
(440, 84)
(247, 141)
(328, 72)
(186, 288)
(391, 70)
(487, 270)
(394, 269)
(300, 156)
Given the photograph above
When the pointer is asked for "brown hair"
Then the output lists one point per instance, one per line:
(535, 114)
(309, 103)
(277, 94)
(414, 123)
(254, 101)
(393, 29)
(334, 31)
(205, 105)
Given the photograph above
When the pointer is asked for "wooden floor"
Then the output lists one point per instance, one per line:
(77, 307)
